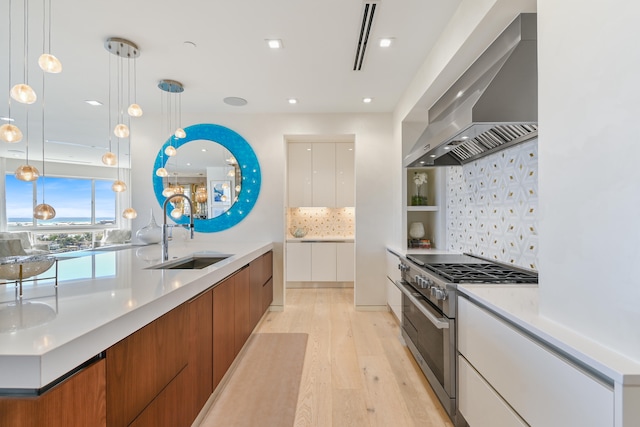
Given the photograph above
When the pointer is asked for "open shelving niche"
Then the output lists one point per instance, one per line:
(432, 215)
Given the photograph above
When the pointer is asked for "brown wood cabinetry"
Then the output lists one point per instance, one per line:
(261, 270)
(200, 368)
(141, 365)
(242, 314)
(223, 328)
(77, 401)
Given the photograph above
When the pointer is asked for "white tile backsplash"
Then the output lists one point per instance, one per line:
(492, 206)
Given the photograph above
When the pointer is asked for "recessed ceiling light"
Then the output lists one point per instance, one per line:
(7, 119)
(235, 101)
(293, 101)
(93, 102)
(432, 155)
(465, 137)
(386, 42)
(367, 100)
(447, 148)
(274, 43)
(204, 150)
(422, 162)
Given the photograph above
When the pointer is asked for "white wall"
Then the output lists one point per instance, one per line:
(374, 185)
(589, 180)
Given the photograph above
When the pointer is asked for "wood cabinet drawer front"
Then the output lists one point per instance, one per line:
(543, 388)
(141, 365)
(267, 295)
(479, 404)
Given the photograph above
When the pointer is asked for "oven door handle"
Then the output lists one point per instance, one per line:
(406, 289)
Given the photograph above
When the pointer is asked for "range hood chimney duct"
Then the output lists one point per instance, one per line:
(492, 106)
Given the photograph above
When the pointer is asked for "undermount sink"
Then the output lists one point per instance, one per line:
(194, 262)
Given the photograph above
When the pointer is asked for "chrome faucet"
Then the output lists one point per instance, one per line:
(165, 226)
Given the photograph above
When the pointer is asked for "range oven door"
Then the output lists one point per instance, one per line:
(431, 338)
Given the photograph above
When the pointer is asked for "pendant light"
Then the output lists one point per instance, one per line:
(48, 62)
(134, 109)
(173, 90)
(22, 92)
(122, 49)
(8, 131)
(43, 211)
(27, 172)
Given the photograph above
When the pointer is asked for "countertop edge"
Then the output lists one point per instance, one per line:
(589, 353)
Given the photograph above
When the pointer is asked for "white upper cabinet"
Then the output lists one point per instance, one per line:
(300, 174)
(345, 183)
(321, 174)
(323, 183)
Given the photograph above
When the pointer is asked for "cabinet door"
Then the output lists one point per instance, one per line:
(141, 365)
(323, 262)
(267, 295)
(345, 262)
(200, 351)
(77, 401)
(299, 262)
(299, 171)
(223, 328)
(345, 183)
(242, 315)
(256, 268)
(324, 174)
(394, 296)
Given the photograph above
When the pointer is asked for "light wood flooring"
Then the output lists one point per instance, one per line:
(356, 372)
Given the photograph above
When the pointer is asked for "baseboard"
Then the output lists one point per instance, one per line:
(371, 308)
(318, 285)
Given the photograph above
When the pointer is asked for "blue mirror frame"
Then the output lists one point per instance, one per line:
(249, 167)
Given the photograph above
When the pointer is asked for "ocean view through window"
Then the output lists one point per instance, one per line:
(85, 207)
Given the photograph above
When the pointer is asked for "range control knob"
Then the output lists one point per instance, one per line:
(420, 281)
(441, 294)
(429, 282)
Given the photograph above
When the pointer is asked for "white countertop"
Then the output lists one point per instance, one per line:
(519, 305)
(102, 297)
(415, 251)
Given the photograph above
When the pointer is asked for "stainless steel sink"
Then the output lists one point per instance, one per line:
(194, 262)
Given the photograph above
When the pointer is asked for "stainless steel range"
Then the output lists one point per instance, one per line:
(429, 287)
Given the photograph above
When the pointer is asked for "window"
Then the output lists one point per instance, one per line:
(79, 202)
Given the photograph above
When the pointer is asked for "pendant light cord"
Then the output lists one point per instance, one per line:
(43, 79)
(10, 12)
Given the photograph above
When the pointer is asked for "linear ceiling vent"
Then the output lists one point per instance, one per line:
(365, 29)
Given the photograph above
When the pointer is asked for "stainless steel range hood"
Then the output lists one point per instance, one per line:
(492, 106)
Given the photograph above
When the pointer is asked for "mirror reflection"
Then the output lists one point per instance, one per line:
(208, 174)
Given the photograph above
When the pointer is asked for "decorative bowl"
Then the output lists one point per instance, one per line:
(298, 232)
(31, 266)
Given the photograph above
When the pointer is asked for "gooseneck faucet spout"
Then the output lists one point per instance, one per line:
(165, 226)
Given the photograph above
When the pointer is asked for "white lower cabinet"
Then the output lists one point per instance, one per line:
(320, 262)
(480, 405)
(541, 387)
(394, 296)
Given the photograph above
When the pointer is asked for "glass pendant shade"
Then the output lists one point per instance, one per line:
(121, 130)
(176, 213)
(44, 211)
(23, 93)
(119, 186)
(10, 133)
(129, 213)
(201, 196)
(49, 63)
(231, 173)
(168, 192)
(134, 110)
(237, 188)
(109, 159)
(180, 133)
(170, 151)
(27, 173)
(162, 172)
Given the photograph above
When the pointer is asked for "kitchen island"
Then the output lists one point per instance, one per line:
(109, 301)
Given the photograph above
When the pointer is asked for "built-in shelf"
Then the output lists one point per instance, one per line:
(422, 208)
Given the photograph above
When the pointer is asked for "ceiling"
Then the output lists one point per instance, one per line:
(230, 58)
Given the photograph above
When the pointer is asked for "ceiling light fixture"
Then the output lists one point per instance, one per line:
(274, 43)
(122, 49)
(367, 100)
(8, 131)
(173, 90)
(22, 92)
(93, 103)
(43, 211)
(48, 62)
(386, 42)
(293, 101)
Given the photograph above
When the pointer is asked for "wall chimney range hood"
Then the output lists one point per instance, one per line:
(492, 106)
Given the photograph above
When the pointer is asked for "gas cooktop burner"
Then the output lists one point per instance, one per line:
(481, 273)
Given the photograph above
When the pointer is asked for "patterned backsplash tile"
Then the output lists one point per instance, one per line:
(492, 206)
(322, 222)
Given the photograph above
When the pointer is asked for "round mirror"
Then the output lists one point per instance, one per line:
(217, 169)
